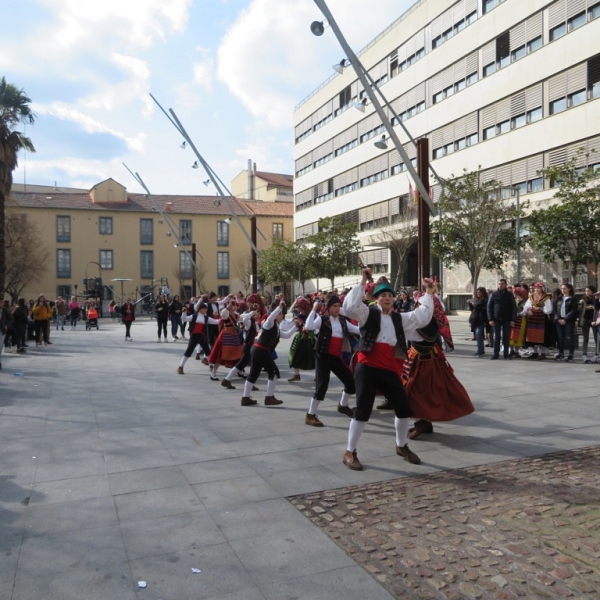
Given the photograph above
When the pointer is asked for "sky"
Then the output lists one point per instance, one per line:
(232, 70)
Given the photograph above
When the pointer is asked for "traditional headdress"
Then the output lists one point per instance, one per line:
(302, 303)
(521, 292)
(539, 284)
(383, 287)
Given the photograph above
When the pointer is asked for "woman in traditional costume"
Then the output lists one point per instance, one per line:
(301, 356)
(540, 328)
(518, 331)
(227, 349)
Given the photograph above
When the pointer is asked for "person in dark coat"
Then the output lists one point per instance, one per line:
(502, 314)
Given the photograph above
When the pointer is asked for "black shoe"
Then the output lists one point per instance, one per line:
(570, 359)
(495, 357)
(214, 378)
(533, 356)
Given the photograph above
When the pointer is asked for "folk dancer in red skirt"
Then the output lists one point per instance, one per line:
(434, 392)
(380, 350)
(199, 322)
(540, 329)
(518, 331)
(227, 349)
(273, 327)
(333, 339)
(250, 320)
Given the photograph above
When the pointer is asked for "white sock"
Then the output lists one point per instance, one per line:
(354, 433)
(247, 389)
(314, 405)
(198, 348)
(402, 427)
(214, 370)
(231, 373)
(271, 383)
(344, 399)
(183, 361)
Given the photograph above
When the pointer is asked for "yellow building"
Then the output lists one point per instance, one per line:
(110, 234)
(260, 185)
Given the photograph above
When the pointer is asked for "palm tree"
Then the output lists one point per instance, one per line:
(14, 108)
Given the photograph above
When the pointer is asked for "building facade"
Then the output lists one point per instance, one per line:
(508, 86)
(111, 234)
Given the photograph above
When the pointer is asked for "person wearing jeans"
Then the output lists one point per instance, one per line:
(61, 312)
(478, 319)
(565, 315)
(502, 314)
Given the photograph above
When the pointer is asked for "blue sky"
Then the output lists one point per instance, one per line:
(232, 70)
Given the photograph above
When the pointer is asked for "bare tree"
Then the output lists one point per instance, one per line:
(243, 270)
(26, 255)
(184, 275)
(399, 236)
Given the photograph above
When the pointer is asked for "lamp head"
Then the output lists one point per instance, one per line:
(195, 165)
(317, 28)
(361, 105)
(381, 144)
(207, 182)
(217, 202)
(183, 145)
(339, 67)
(228, 220)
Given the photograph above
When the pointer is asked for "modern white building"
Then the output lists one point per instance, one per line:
(508, 85)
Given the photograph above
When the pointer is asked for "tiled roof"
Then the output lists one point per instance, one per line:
(194, 205)
(277, 179)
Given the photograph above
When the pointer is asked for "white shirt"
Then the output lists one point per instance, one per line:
(411, 321)
(314, 322)
(547, 307)
(286, 328)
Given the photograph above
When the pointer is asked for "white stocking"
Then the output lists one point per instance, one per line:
(214, 370)
(271, 383)
(247, 389)
(183, 361)
(354, 433)
(314, 405)
(231, 373)
(402, 427)
(344, 399)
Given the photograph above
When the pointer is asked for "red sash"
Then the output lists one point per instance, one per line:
(381, 357)
(335, 346)
(198, 328)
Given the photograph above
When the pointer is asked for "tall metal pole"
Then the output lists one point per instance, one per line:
(254, 275)
(518, 234)
(194, 269)
(360, 72)
(423, 255)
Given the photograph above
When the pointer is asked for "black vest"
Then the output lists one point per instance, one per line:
(195, 320)
(430, 334)
(250, 335)
(269, 338)
(370, 331)
(326, 332)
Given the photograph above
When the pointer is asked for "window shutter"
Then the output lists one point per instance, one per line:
(472, 62)
(557, 13)
(488, 116)
(488, 53)
(518, 172)
(593, 147)
(488, 175)
(460, 69)
(322, 150)
(394, 207)
(470, 6)
(458, 11)
(574, 7)
(471, 123)
(534, 164)
(437, 138)
(345, 137)
(436, 27)
(517, 104)
(371, 122)
(533, 97)
(557, 86)
(577, 78)
(557, 157)
(394, 158)
(436, 83)
(503, 174)
(534, 26)
(379, 70)
(304, 161)
(460, 129)
(517, 36)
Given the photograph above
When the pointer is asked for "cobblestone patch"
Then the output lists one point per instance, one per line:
(526, 528)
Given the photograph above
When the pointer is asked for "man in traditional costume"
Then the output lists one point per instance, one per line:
(333, 338)
(382, 343)
(199, 322)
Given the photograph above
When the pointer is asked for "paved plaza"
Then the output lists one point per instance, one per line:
(114, 469)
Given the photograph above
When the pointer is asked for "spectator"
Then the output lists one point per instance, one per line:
(42, 313)
(479, 318)
(586, 318)
(175, 314)
(502, 314)
(161, 312)
(61, 313)
(565, 317)
(127, 318)
(403, 302)
(74, 311)
(20, 319)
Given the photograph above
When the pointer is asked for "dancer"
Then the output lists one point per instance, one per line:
(250, 320)
(301, 356)
(540, 332)
(227, 349)
(199, 322)
(382, 344)
(519, 330)
(434, 392)
(333, 339)
(265, 343)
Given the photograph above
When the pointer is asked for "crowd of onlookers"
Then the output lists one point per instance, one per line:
(32, 320)
(531, 322)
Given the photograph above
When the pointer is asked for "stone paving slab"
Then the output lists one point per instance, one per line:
(527, 528)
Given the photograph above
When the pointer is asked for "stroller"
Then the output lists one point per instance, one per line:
(92, 319)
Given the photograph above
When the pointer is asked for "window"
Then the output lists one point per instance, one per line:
(449, 91)
(519, 121)
(504, 126)
(576, 22)
(594, 12)
(461, 144)
(534, 115)
(593, 76)
(421, 106)
(438, 153)
(461, 85)
(535, 185)
(105, 226)
(504, 61)
(436, 42)
(472, 78)
(522, 187)
(489, 69)
(458, 27)
(558, 106)
(147, 264)
(489, 133)
(558, 31)
(277, 231)
(517, 53)
(146, 231)
(471, 17)
(534, 44)
(222, 265)
(185, 265)
(446, 35)
(185, 231)
(472, 139)
(438, 97)
(596, 90)
(577, 98)
(449, 148)
(63, 263)
(223, 290)
(222, 233)
(106, 259)
(488, 5)
(63, 229)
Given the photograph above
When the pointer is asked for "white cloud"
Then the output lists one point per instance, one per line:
(269, 58)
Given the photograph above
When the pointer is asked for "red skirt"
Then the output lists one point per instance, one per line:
(227, 349)
(434, 392)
